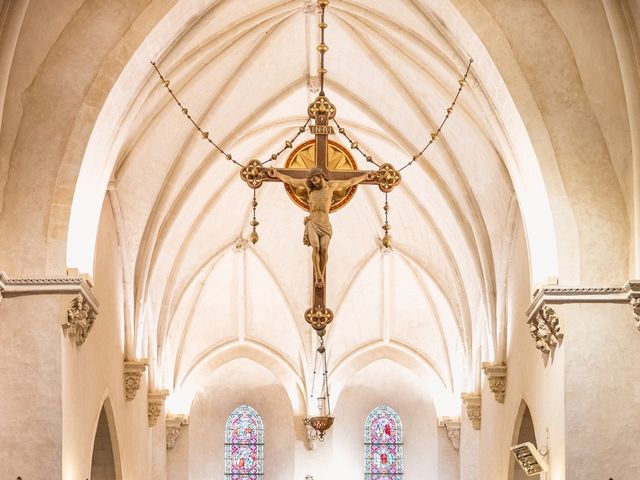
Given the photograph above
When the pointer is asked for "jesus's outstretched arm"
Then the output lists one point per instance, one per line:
(344, 184)
(294, 182)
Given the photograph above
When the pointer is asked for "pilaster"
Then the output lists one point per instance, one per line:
(33, 311)
(600, 353)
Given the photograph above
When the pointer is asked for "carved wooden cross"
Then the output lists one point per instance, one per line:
(386, 177)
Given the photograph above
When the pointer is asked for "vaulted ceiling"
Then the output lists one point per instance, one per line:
(243, 70)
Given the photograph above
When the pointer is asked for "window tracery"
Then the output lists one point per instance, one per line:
(244, 447)
(383, 458)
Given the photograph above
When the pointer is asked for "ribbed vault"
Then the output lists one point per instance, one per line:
(195, 291)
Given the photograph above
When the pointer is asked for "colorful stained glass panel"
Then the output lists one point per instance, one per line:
(244, 447)
(383, 445)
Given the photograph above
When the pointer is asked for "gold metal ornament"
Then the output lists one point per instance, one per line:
(319, 317)
(303, 157)
(254, 174)
(321, 424)
(387, 177)
(322, 107)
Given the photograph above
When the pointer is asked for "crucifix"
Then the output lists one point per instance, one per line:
(321, 187)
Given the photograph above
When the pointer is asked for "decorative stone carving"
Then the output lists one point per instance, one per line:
(544, 327)
(453, 426)
(80, 318)
(155, 404)
(473, 402)
(313, 84)
(311, 7)
(635, 304)
(240, 245)
(174, 424)
(313, 438)
(74, 283)
(133, 371)
(497, 375)
(558, 295)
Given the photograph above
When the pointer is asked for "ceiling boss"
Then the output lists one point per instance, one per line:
(320, 176)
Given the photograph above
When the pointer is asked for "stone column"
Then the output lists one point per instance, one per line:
(32, 314)
(602, 399)
(594, 328)
(159, 450)
(469, 448)
(178, 455)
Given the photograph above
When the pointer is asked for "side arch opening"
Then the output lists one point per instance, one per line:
(523, 431)
(105, 459)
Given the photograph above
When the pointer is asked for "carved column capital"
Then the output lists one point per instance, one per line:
(473, 402)
(453, 426)
(133, 371)
(155, 404)
(497, 375)
(174, 423)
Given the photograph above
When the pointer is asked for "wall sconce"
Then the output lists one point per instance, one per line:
(530, 458)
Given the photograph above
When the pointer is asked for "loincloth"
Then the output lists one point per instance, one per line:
(320, 226)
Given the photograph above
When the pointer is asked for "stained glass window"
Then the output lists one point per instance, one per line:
(383, 445)
(243, 447)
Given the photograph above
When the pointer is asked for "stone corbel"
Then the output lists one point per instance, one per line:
(83, 309)
(133, 371)
(497, 375)
(473, 402)
(453, 426)
(559, 295)
(155, 404)
(634, 301)
(174, 424)
(545, 329)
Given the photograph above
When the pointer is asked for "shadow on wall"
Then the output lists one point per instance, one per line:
(523, 432)
(102, 463)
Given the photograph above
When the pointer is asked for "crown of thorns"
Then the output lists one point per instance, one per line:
(317, 171)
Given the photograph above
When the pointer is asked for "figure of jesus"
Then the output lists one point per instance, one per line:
(318, 231)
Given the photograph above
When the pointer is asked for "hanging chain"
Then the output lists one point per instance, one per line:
(204, 134)
(354, 145)
(288, 143)
(253, 236)
(323, 47)
(387, 241)
(435, 136)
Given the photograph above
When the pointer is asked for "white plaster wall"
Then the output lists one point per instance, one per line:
(239, 382)
(542, 387)
(383, 382)
(94, 371)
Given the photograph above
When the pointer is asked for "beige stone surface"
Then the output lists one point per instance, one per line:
(535, 180)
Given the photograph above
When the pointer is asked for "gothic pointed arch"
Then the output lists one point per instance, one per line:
(523, 431)
(105, 457)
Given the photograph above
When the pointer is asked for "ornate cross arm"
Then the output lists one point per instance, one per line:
(386, 177)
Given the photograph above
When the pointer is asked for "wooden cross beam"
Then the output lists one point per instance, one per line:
(386, 177)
